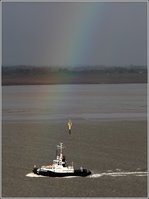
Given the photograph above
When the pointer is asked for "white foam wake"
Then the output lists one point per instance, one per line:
(33, 175)
(118, 174)
(98, 175)
(70, 176)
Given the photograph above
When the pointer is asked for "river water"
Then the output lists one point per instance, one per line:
(109, 137)
(60, 102)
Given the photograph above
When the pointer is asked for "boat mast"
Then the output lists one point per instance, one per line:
(60, 147)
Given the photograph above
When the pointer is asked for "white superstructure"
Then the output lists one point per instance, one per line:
(59, 165)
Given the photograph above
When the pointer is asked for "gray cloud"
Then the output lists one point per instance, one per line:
(74, 33)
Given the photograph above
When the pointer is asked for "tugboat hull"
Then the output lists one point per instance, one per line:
(77, 172)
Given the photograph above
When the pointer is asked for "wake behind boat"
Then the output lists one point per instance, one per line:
(59, 167)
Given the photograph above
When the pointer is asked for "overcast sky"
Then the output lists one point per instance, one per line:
(59, 34)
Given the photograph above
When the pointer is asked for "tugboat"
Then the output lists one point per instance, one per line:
(59, 167)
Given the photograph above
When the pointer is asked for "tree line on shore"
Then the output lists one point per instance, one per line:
(45, 70)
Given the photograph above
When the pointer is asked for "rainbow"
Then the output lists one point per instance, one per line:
(82, 31)
(78, 37)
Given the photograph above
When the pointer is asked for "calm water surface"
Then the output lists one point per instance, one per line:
(57, 102)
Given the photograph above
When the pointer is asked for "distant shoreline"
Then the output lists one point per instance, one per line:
(24, 75)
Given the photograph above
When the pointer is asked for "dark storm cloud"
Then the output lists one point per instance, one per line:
(59, 33)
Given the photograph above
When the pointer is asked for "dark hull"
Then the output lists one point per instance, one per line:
(77, 172)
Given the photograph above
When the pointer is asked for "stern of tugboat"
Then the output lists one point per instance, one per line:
(82, 172)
